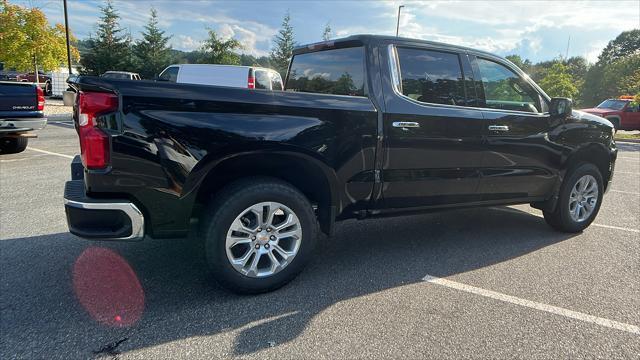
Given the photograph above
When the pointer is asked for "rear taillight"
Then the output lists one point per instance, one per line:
(251, 80)
(94, 142)
(40, 96)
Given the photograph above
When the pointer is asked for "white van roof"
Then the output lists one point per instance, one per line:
(220, 65)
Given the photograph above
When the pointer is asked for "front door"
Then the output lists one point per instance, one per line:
(433, 139)
(519, 156)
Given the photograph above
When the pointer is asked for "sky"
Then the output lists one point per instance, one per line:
(537, 30)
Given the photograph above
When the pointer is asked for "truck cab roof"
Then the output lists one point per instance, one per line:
(365, 39)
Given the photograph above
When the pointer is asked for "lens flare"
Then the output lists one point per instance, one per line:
(108, 288)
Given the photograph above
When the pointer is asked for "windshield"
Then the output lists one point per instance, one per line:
(612, 104)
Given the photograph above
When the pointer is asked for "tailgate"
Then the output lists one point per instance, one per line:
(18, 97)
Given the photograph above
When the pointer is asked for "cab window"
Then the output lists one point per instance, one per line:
(506, 90)
(336, 71)
(431, 76)
(170, 74)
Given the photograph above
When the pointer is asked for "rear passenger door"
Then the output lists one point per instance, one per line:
(519, 158)
(433, 138)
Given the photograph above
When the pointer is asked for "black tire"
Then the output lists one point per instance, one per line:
(48, 89)
(230, 203)
(13, 145)
(560, 219)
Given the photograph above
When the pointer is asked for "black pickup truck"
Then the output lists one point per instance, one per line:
(21, 112)
(368, 126)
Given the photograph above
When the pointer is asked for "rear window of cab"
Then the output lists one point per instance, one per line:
(336, 71)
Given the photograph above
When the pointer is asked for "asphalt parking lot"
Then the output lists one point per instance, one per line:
(478, 283)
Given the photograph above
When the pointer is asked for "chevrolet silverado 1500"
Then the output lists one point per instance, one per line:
(367, 126)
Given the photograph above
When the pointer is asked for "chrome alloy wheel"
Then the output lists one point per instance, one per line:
(583, 198)
(263, 239)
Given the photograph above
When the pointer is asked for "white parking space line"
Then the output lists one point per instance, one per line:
(627, 158)
(50, 152)
(534, 305)
(624, 192)
(626, 172)
(513, 211)
(22, 159)
(62, 123)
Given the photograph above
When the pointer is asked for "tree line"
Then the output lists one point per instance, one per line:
(615, 73)
(112, 48)
(28, 42)
(27, 38)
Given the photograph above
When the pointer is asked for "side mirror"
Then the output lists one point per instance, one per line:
(560, 106)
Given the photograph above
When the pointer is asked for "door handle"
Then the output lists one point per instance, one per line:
(498, 128)
(405, 125)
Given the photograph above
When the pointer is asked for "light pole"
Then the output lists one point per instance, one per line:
(398, 24)
(66, 29)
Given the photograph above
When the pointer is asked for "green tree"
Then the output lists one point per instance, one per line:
(152, 51)
(625, 44)
(558, 82)
(250, 60)
(218, 51)
(327, 33)
(283, 50)
(524, 65)
(597, 85)
(109, 50)
(28, 41)
(622, 77)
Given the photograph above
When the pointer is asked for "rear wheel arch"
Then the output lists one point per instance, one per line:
(314, 179)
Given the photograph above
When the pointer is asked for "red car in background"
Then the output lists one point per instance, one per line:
(44, 80)
(623, 113)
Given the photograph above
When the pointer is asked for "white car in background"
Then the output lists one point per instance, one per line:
(121, 75)
(248, 77)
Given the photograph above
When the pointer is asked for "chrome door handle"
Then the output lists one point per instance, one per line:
(498, 128)
(405, 125)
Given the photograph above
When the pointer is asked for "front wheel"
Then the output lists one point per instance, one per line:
(579, 199)
(259, 234)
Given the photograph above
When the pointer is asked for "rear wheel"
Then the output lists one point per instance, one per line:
(259, 234)
(579, 200)
(13, 145)
(48, 89)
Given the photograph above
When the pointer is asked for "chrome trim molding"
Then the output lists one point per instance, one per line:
(130, 209)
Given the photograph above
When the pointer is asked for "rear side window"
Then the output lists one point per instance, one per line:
(431, 76)
(276, 81)
(337, 71)
(170, 74)
(262, 80)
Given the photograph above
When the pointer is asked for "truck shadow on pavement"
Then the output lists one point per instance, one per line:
(43, 318)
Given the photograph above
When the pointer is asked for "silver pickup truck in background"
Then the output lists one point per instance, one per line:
(21, 112)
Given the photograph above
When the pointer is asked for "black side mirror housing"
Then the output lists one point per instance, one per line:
(560, 106)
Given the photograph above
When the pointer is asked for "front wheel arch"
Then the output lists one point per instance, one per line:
(595, 154)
